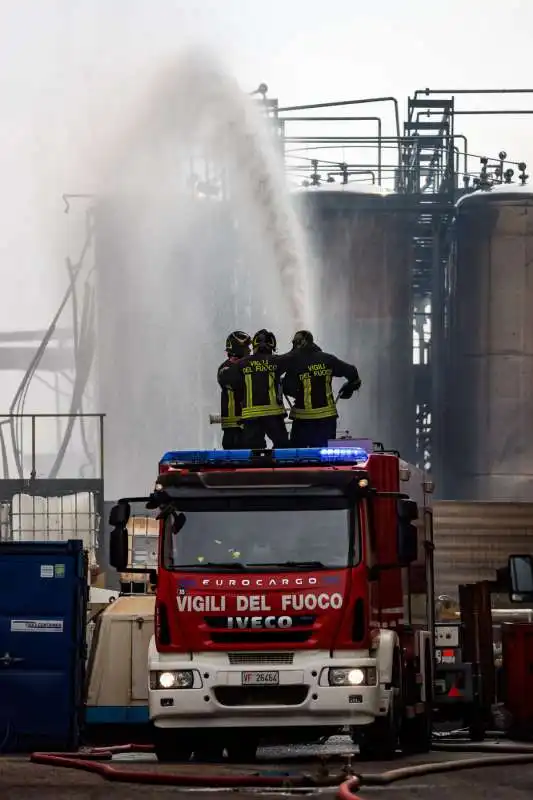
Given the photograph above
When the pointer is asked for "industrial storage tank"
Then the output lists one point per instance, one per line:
(488, 400)
(362, 273)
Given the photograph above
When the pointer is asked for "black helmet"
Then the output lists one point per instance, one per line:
(302, 339)
(238, 344)
(264, 340)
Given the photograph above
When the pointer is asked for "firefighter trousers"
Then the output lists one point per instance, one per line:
(313, 433)
(255, 430)
(232, 439)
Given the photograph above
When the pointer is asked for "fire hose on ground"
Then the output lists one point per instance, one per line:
(90, 761)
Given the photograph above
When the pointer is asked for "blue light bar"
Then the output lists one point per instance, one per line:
(207, 457)
(284, 457)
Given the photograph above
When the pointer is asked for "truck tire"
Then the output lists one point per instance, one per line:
(209, 752)
(416, 733)
(242, 751)
(171, 746)
(380, 740)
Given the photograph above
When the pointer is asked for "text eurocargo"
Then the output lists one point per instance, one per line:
(258, 582)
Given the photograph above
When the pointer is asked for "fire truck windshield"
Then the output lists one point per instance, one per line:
(259, 540)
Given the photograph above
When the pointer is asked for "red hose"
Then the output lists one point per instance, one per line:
(348, 788)
(87, 762)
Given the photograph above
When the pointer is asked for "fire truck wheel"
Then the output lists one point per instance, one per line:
(416, 733)
(242, 752)
(209, 751)
(171, 746)
(381, 740)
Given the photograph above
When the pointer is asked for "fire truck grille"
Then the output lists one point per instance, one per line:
(261, 658)
(221, 634)
(260, 637)
(261, 695)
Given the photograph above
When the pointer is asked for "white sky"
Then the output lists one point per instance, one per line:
(58, 56)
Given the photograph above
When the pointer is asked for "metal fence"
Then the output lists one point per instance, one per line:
(51, 484)
(51, 446)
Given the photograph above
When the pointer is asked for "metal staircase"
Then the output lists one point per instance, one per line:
(429, 176)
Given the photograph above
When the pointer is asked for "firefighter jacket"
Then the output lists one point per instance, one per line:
(230, 401)
(308, 378)
(257, 379)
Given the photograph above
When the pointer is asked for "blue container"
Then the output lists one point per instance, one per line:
(43, 606)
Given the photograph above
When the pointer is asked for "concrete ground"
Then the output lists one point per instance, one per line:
(22, 780)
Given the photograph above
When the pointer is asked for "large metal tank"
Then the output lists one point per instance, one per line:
(488, 402)
(473, 540)
(363, 255)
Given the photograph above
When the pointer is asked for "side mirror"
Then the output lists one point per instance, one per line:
(407, 539)
(407, 510)
(521, 579)
(118, 549)
(407, 543)
(119, 515)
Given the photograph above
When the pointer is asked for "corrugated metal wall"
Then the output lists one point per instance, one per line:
(474, 539)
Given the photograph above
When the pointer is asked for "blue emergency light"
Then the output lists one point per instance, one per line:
(296, 456)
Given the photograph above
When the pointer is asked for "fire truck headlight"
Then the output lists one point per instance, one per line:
(356, 677)
(348, 676)
(182, 679)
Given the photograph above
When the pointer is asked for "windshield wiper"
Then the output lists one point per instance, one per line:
(292, 564)
(236, 565)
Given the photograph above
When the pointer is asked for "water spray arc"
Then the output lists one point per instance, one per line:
(196, 235)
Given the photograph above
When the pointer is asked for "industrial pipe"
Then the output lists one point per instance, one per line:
(344, 119)
(427, 92)
(365, 100)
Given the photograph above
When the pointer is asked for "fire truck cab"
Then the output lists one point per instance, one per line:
(283, 602)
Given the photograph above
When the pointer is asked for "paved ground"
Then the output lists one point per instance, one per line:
(21, 780)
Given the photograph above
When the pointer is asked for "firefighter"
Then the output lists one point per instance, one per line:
(256, 378)
(237, 346)
(308, 378)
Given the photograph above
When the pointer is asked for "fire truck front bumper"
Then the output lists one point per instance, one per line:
(313, 690)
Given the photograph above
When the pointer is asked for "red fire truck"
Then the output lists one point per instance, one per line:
(283, 602)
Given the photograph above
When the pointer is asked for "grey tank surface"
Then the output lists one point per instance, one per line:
(362, 252)
(488, 400)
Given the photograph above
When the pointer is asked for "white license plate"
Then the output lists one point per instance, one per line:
(260, 678)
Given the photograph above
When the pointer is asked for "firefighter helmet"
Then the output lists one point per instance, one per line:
(302, 339)
(264, 340)
(238, 344)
